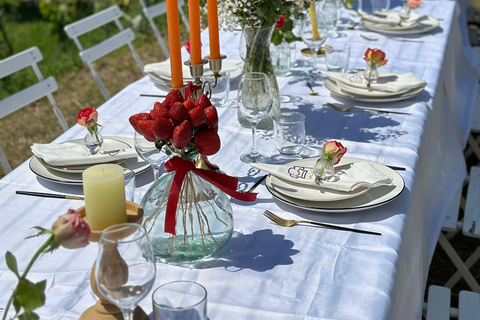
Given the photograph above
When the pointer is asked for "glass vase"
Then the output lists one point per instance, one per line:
(204, 221)
(94, 140)
(257, 59)
(323, 168)
(370, 74)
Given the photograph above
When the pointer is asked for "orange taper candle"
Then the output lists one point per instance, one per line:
(213, 29)
(174, 44)
(195, 41)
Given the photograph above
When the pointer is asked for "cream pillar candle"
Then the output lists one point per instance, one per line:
(104, 190)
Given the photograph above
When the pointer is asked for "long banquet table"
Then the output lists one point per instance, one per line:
(270, 272)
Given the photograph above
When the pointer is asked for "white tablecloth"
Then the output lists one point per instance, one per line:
(270, 272)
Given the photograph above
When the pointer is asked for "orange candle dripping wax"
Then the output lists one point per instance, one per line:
(213, 29)
(195, 42)
(174, 44)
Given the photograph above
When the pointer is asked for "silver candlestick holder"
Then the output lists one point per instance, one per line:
(196, 71)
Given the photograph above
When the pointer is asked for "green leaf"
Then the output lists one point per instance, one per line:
(277, 37)
(29, 316)
(12, 263)
(30, 295)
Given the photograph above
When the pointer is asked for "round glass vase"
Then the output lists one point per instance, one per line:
(370, 74)
(94, 140)
(323, 168)
(204, 221)
(257, 59)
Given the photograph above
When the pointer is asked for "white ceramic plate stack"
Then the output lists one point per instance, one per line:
(72, 175)
(325, 200)
(364, 94)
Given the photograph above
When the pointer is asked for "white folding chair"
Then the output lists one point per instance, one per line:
(18, 100)
(156, 10)
(438, 305)
(470, 226)
(124, 37)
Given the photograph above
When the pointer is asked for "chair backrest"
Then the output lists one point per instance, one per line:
(156, 10)
(438, 305)
(18, 100)
(90, 23)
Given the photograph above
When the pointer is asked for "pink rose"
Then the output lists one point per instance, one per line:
(335, 149)
(375, 56)
(87, 117)
(71, 231)
(414, 3)
(187, 45)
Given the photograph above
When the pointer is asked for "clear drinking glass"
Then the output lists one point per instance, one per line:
(337, 56)
(380, 5)
(180, 300)
(130, 184)
(280, 56)
(314, 35)
(148, 152)
(289, 132)
(125, 273)
(254, 102)
(220, 93)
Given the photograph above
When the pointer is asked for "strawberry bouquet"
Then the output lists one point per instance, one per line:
(187, 210)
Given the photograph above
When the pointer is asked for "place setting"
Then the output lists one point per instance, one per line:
(371, 85)
(65, 162)
(400, 22)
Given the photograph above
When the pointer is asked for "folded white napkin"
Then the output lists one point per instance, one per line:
(389, 83)
(346, 178)
(392, 18)
(70, 154)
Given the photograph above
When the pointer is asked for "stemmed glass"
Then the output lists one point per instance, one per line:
(148, 152)
(254, 102)
(314, 35)
(124, 271)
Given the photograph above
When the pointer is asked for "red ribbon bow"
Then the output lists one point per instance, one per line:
(222, 181)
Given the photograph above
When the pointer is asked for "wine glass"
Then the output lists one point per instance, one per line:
(254, 102)
(124, 270)
(314, 35)
(148, 152)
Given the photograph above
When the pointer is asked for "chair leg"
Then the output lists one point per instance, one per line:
(459, 264)
(468, 263)
(99, 83)
(4, 162)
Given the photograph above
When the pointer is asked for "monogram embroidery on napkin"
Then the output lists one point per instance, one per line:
(297, 172)
(356, 78)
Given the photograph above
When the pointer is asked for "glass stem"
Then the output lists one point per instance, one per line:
(156, 172)
(254, 152)
(127, 314)
(314, 55)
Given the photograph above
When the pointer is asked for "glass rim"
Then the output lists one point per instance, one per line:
(255, 76)
(278, 117)
(137, 226)
(204, 298)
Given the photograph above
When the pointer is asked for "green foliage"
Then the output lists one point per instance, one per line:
(29, 296)
(284, 33)
(12, 263)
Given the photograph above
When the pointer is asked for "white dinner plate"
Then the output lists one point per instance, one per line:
(302, 192)
(336, 90)
(137, 165)
(108, 145)
(234, 70)
(425, 25)
(372, 198)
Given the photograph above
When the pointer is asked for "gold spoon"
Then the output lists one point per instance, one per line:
(345, 109)
(313, 93)
(352, 27)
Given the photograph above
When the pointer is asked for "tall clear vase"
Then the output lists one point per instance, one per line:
(257, 59)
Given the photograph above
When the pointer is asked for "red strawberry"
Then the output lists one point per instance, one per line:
(212, 117)
(137, 117)
(146, 128)
(197, 117)
(158, 104)
(182, 134)
(189, 103)
(162, 129)
(207, 141)
(159, 111)
(173, 96)
(178, 112)
(203, 101)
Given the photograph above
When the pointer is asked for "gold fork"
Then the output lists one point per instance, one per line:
(290, 223)
(345, 109)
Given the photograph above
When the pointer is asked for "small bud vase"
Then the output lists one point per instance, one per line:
(370, 74)
(323, 168)
(94, 140)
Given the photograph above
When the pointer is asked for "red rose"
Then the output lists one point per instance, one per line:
(375, 57)
(280, 22)
(334, 148)
(87, 117)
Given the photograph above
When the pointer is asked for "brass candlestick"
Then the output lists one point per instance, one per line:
(104, 309)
